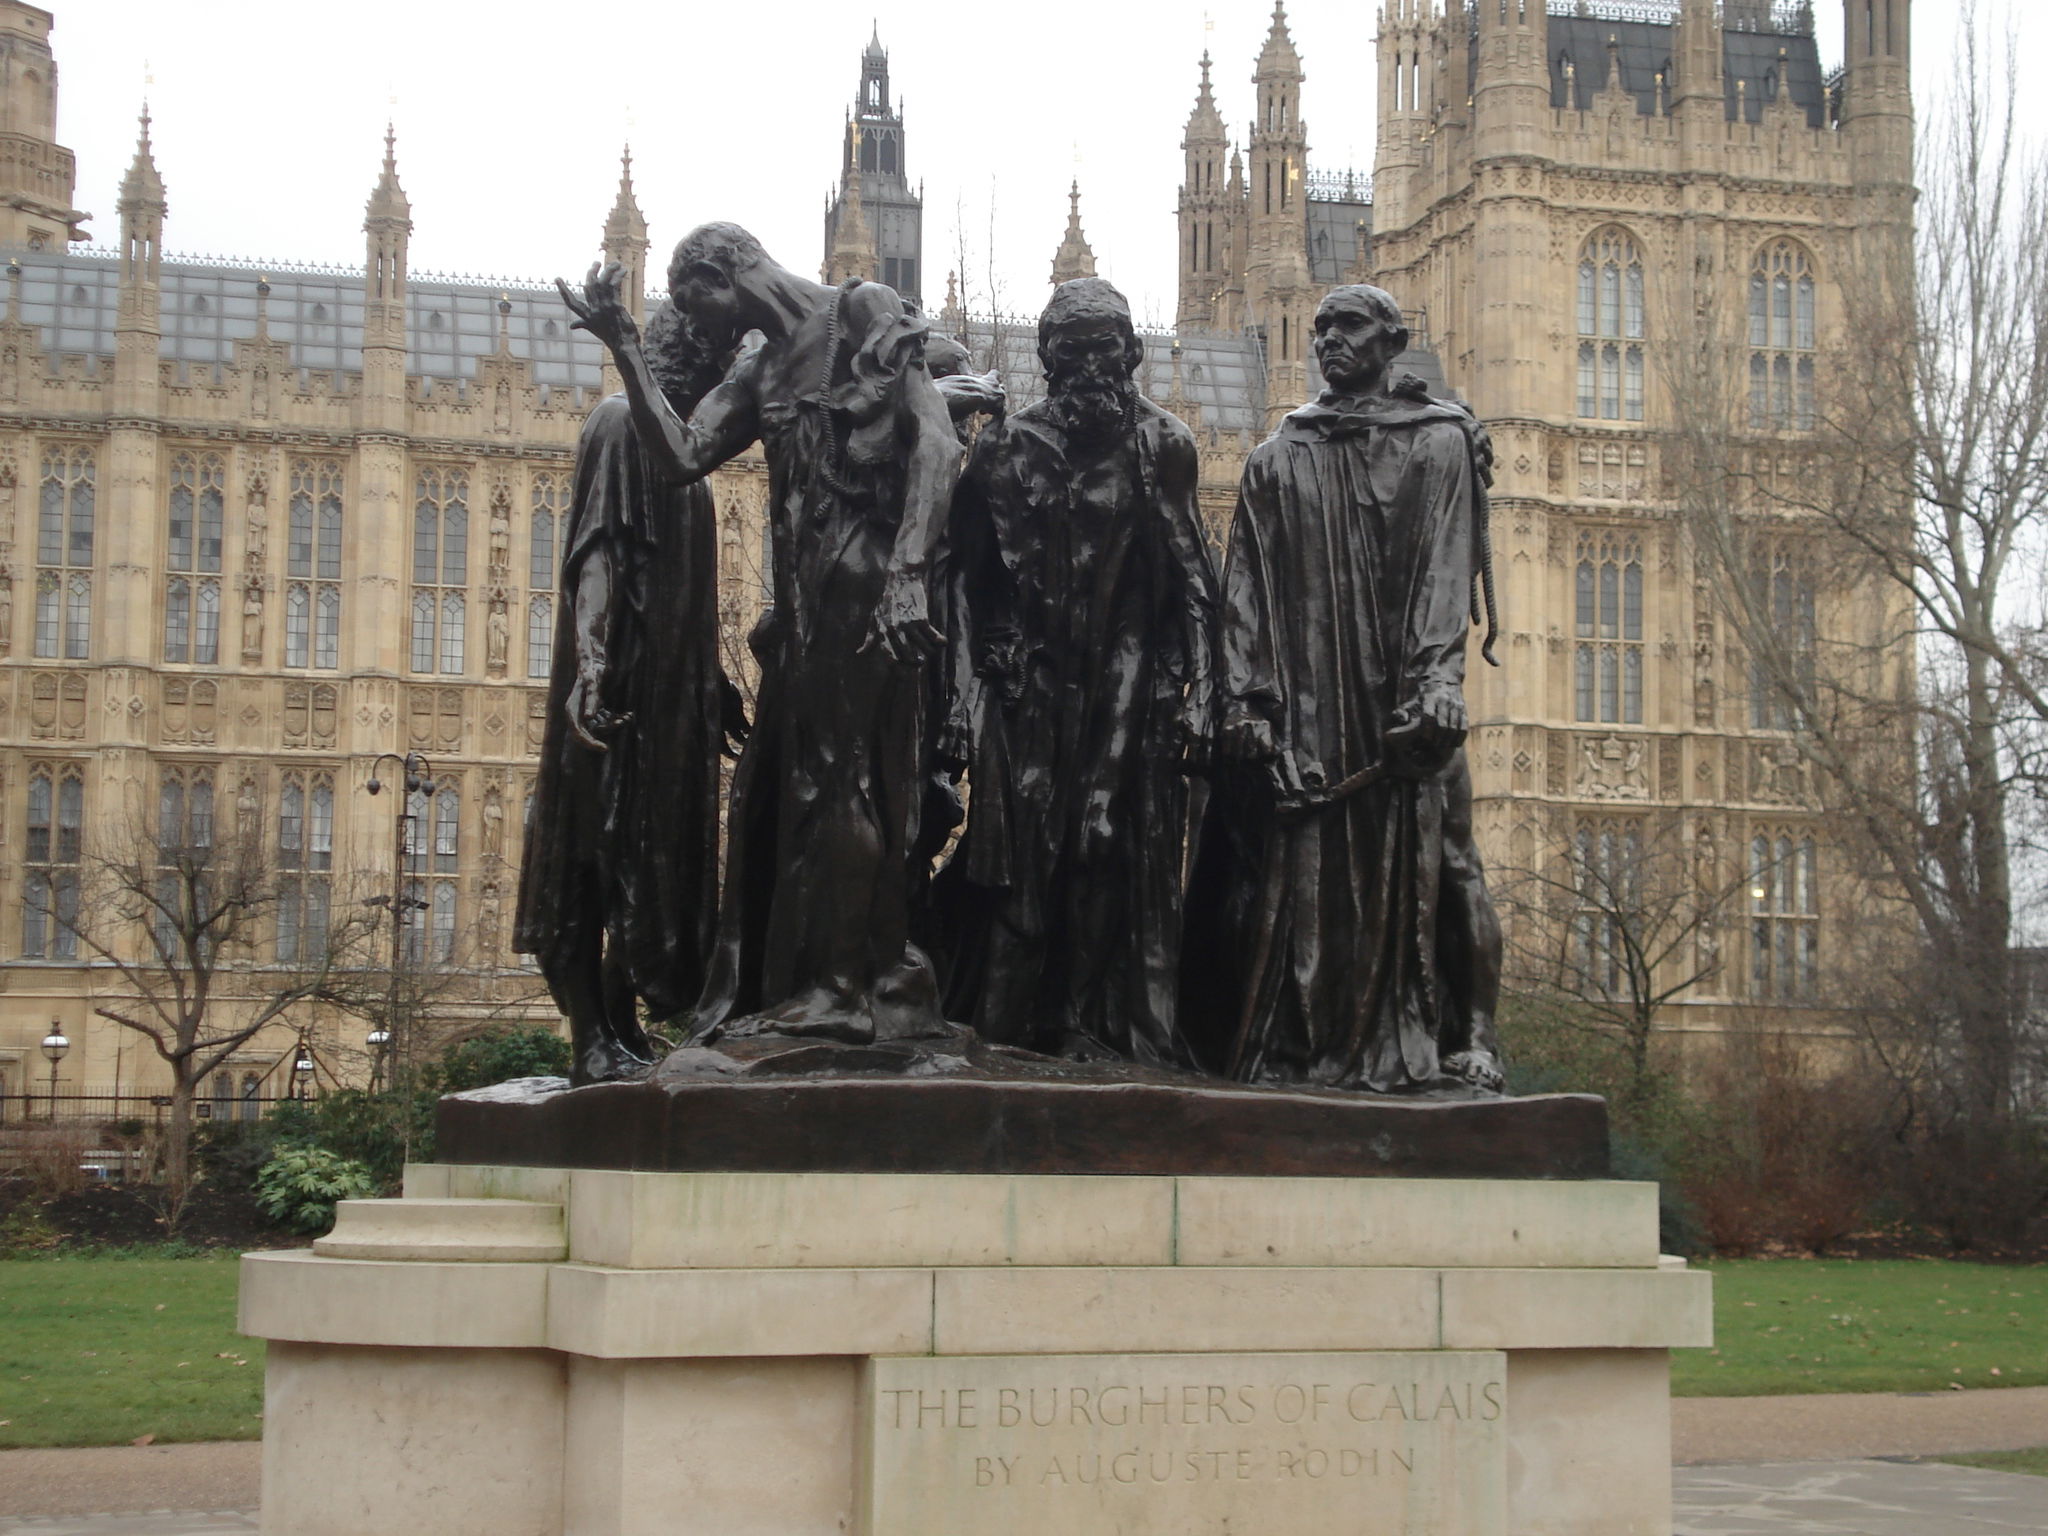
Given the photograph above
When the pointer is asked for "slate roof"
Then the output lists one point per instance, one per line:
(1767, 61)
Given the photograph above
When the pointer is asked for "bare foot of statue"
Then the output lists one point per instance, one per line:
(1479, 1069)
(818, 1013)
(607, 1061)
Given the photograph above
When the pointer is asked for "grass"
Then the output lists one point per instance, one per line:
(1784, 1326)
(103, 1350)
(2034, 1461)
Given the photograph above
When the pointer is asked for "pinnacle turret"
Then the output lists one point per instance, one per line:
(1074, 258)
(142, 189)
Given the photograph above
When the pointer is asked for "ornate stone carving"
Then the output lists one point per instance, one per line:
(1612, 768)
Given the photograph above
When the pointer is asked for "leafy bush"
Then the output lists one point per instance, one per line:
(300, 1186)
(498, 1057)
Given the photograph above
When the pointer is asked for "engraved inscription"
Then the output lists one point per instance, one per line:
(1192, 1445)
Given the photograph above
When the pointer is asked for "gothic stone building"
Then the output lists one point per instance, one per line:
(261, 524)
(1558, 190)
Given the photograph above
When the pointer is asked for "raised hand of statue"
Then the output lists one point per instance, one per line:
(902, 625)
(602, 309)
(1428, 730)
(972, 394)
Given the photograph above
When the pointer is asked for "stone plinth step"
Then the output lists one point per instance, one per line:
(476, 1231)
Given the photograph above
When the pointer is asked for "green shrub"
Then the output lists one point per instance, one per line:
(498, 1057)
(300, 1186)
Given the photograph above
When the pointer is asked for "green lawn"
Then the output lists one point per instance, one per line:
(1868, 1325)
(2034, 1461)
(99, 1351)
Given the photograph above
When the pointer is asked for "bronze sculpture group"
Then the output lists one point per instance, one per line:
(1046, 623)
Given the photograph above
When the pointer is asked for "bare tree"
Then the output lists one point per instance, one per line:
(1617, 919)
(1909, 662)
(174, 907)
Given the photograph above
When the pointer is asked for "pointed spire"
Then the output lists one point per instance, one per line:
(875, 50)
(1278, 55)
(388, 199)
(626, 222)
(1205, 123)
(142, 188)
(1074, 258)
(853, 246)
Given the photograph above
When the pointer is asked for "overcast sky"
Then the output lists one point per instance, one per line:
(269, 119)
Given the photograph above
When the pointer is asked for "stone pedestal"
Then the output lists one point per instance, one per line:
(546, 1352)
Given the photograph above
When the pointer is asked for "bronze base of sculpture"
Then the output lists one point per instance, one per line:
(961, 1105)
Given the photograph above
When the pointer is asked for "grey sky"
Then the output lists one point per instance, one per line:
(269, 119)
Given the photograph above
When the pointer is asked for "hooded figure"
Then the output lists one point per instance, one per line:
(1339, 927)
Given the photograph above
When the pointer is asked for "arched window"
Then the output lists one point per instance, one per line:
(440, 569)
(1783, 329)
(252, 1089)
(1606, 875)
(1781, 684)
(64, 553)
(56, 822)
(313, 527)
(193, 557)
(540, 637)
(1608, 624)
(1784, 903)
(447, 830)
(1612, 322)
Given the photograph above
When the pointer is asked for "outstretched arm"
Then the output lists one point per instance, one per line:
(721, 427)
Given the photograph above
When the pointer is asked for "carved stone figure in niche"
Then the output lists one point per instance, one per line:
(258, 519)
(6, 607)
(618, 882)
(1089, 605)
(501, 533)
(1339, 930)
(814, 926)
(494, 822)
(252, 617)
(497, 635)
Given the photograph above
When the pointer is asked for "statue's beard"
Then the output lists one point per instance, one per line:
(1092, 410)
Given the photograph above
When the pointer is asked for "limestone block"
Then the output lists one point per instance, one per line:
(1123, 1310)
(882, 1221)
(480, 1182)
(395, 1442)
(710, 1447)
(1418, 1223)
(428, 1181)
(475, 1231)
(655, 1314)
(1577, 1309)
(1589, 1442)
(1332, 1444)
(301, 1296)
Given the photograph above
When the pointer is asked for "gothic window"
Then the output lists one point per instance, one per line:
(252, 1089)
(1606, 875)
(440, 569)
(64, 529)
(550, 506)
(312, 600)
(1782, 338)
(1608, 624)
(192, 591)
(1784, 925)
(184, 831)
(305, 859)
(56, 822)
(1782, 681)
(1611, 326)
(540, 637)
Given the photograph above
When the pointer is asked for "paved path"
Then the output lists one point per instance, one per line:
(1849, 1428)
(1786, 1466)
(1855, 1498)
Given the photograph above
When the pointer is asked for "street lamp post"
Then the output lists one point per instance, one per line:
(54, 1047)
(302, 1071)
(416, 774)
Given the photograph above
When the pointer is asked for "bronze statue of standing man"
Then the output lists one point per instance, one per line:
(1089, 598)
(814, 924)
(1339, 928)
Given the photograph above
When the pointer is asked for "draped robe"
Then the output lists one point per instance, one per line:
(1317, 948)
(627, 839)
(1075, 836)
